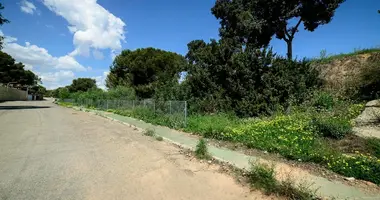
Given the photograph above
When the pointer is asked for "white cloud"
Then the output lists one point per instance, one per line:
(101, 80)
(56, 79)
(33, 55)
(92, 25)
(54, 71)
(98, 54)
(28, 7)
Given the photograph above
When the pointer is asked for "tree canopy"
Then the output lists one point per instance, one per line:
(255, 22)
(145, 70)
(2, 21)
(248, 82)
(82, 85)
(12, 72)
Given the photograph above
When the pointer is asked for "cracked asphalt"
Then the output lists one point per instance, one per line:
(49, 152)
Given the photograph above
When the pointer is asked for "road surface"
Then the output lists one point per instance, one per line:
(49, 152)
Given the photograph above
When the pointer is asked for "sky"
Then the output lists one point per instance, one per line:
(61, 40)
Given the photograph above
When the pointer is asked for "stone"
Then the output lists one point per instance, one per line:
(209, 162)
(370, 115)
(349, 178)
(373, 103)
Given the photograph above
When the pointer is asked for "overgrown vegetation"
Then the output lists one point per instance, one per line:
(150, 132)
(262, 176)
(159, 138)
(201, 150)
(237, 89)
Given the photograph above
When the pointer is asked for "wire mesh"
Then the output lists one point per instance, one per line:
(168, 113)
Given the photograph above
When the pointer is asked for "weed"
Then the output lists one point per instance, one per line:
(373, 145)
(150, 132)
(159, 138)
(324, 100)
(332, 127)
(201, 150)
(262, 176)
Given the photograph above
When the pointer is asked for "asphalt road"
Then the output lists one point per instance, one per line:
(50, 152)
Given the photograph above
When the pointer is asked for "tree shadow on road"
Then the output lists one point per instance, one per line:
(22, 107)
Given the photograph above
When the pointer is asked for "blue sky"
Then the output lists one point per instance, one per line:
(65, 39)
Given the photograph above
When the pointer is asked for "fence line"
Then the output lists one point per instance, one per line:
(172, 112)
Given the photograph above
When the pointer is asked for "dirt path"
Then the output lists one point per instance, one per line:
(49, 152)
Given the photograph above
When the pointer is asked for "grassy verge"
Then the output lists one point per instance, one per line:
(262, 176)
(304, 136)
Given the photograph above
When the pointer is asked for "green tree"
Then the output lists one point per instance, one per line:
(248, 82)
(145, 70)
(255, 22)
(2, 21)
(11, 72)
(82, 85)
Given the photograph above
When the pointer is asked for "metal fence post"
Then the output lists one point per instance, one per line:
(133, 104)
(106, 104)
(185, 113)
(154, 107)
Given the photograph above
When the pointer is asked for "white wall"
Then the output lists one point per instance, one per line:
(11, 94)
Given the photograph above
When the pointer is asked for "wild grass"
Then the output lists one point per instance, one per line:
(201, 150)
(324, 58)
(262, 176)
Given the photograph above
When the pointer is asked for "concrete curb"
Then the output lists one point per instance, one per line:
(326, 188)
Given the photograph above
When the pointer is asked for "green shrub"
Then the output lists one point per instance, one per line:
(323, 100)
(359, 166)
(210, 126)
(262, 176)
(159, 138)
(150, 132)
(373, 145)
(332, 127)
(201, 150)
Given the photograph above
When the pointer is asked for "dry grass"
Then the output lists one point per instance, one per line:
(340, 72)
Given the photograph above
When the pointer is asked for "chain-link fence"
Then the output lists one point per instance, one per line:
(168, 113)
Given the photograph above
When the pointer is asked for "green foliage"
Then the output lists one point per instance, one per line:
(82, 85)
(328, 59)
(38, 89)
(159, 138)
(249, 83)
(145, 70)
(210, 126)
(63, 93)
(150, 132)
(368, 84)
(12, 72)
(323, 100)
(374, 145)
(332, 127)
(2, 21)
(121, 93)
(262, 176)
(359, 166)
(201, 150)
(254, 23)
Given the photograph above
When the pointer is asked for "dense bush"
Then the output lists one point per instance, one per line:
(323, 100)
(331, 127)
(369, 80)
(249, 82)
(358, 166)
(374, 145)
